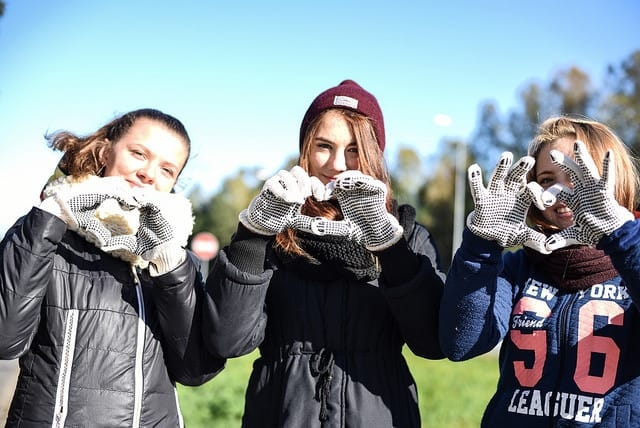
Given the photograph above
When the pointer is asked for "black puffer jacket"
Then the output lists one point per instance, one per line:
(330, 347)
(100, 344)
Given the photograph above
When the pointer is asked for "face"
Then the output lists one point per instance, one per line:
(333, 149)
(148, 155)
(548, 174)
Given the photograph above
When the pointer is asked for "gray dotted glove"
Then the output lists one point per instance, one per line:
(101, 209)
(596, 212)
(362, 200)
(501, 208)
(277, 206)
(166, 221)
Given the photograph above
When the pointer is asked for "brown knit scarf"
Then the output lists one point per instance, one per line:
(574, 268)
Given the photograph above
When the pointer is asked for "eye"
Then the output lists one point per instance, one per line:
(546, 182)
(323, 145)
(169, 172)
(138, 154)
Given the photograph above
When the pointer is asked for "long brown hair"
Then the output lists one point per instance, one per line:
(82, 153)
(598, 138)
(371, 162)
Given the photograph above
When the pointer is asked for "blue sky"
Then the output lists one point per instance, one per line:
(240, 74)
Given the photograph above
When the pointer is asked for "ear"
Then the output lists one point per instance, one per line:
(104, 153)
(103, 157)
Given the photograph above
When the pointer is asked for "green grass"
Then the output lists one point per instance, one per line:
(451, 395)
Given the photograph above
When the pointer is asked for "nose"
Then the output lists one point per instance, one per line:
(339, 161)
(565, 180)
(147, 174)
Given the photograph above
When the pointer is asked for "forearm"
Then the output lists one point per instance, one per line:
(26, 271)
(415, 306)
(472, 312)
(234, 311)
(623, 247)
(398, 264)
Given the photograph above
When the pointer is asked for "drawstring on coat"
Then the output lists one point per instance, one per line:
(321, 365)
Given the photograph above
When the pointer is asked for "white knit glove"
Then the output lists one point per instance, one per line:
(166, 221)
(501, 208)
(278, 204)
(596, 212)
(102, 209)
(366, 221)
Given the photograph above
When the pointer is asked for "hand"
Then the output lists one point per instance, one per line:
(102, 210)
(166, 221)
(278, 204)
(501, 208)
(596, 212)
(366, 219)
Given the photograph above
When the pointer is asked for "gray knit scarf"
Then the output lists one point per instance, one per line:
(335, 257)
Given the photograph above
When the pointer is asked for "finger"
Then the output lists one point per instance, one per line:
(537, 195)
(285, 186)
(584, 159)
(303, 181)
(321, 226)
(350, 179)
(550, 195)
(318, 190)
(566, 164)
(474, 174)
(496, 182)
(562, 239)
(559, 192)
(469, 220)
(536, 240)
(516, 176)
(370, 185)
(608, 172)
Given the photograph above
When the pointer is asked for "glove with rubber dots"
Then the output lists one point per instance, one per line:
(101, 209)
(166, 222)
(278, 204)
(501, 208)
(596, 212)
(362, 200)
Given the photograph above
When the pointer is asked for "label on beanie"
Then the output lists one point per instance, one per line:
(343, 100)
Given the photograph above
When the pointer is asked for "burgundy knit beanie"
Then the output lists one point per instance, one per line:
(351, 96)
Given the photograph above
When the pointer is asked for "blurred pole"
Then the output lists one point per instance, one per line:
(459, 196)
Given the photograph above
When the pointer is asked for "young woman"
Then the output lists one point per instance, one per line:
(329, 278)
(565, 306)
(98, 297)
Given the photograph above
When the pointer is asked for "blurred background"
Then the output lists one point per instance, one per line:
(458, 82)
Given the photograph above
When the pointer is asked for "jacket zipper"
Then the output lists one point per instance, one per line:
(66, 363)
(137, 404)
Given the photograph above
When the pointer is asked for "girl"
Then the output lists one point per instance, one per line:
(329, 286)
(565, 306)
(98, 297)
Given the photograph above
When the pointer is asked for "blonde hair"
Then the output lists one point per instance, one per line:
(598, 138)
(371, 162)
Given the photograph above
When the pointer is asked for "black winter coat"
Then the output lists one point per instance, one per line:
(330, 348)
(100, 344)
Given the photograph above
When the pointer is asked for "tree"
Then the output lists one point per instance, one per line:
(569, 92)
(219, 215)
(435, 205)
(407, 175)
(620, 108)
